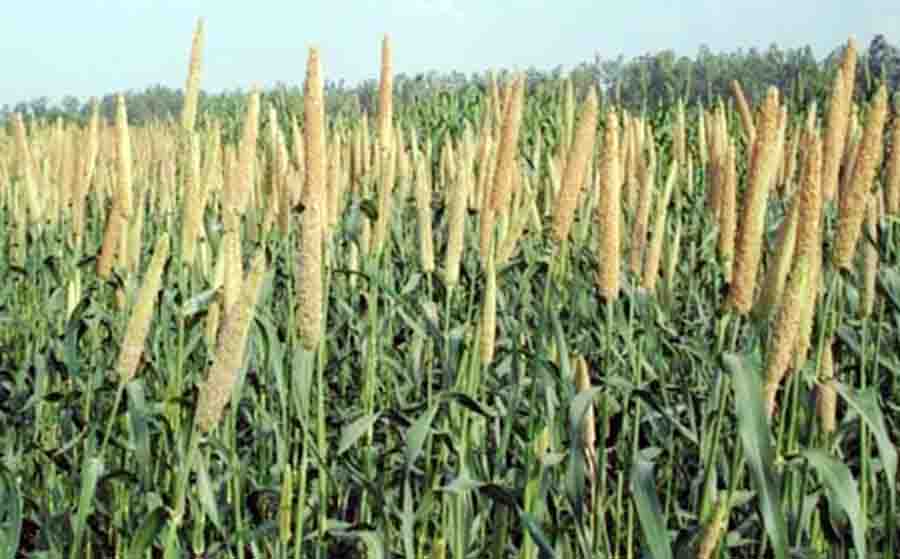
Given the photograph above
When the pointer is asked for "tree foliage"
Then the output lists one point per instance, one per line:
(647, 81)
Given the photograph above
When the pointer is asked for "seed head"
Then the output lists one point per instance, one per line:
(748, 247)
(309, 265)
(785, 330)
(216, 391)
(609, 212)
(142, 314)
(826, 401)
(576, 166)
(892, 176)
(852, 206)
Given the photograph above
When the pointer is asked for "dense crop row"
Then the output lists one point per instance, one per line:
(551, 329)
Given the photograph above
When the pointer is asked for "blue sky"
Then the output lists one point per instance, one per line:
(88, 47)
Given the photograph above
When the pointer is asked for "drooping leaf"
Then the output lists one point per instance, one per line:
(91, 470)
(840, 482)
(205, 490)
(10, 514)
(352, 433)
(653, 525)
(866, 405)
(545, 550)
(754, 433)
(418, 432)
(150, 528)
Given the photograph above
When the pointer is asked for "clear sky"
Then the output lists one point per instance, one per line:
(90, 47)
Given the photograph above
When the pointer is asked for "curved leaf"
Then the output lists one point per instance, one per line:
(653, 525)
(545, 550)
(417, 434)
(10, 514)
(754, 432)
(91, 471)
(372, 540)
(351, 433)
(840, 482)
(148, 531)
(866, 406)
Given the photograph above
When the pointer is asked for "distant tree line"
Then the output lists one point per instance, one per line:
(646, 81)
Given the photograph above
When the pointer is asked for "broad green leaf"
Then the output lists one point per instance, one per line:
(753, 428)
(205, 490)
(352, 433)
(865, 403)
(653, 525)
(545, 550)
(418, 432)
(150, 528)
(838, 479)
(91, 470)
(303, 366)
(576, 478)
(137, 415)
(10, 514)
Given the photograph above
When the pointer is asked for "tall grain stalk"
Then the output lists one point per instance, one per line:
(192, 85)
(892, 173)
(780, 262)
(679, 136)
(120, 213)
(489, 313)
(457, 194)
(654, 250)
(702, 135)
(748, 247)
(26, 161)
(194, 204)
(852, 206)
(848, 72)
(647, 175)
(727, 171)
(826, 402)
(388, 174)
(745, 112)
(869, 258)
(309, 266)
(216, 391)
(809, 237)
(309, 262)
(85, 175)
(837, 122)
(247, 156)
(124, 176)
(785, 330)
(609, 213)
(423, 213)
(568, 116)
(386, 155)
(576, 166)
(141, 315)
(138, 326)
(501, 190)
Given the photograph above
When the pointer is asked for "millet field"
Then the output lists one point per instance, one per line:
(525, 322)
